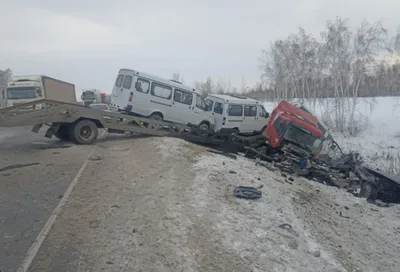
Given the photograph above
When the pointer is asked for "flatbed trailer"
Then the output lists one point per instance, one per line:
(75, 122)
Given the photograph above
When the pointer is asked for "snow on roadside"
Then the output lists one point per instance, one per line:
(169, 147)
(250, 228)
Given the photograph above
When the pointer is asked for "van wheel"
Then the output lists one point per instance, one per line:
(235, 131)
(84, 132)
(155, 117)
(204, 126)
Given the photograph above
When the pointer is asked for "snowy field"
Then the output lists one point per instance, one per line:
(379, 140)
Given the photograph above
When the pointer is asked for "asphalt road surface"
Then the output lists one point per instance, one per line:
(29, 194)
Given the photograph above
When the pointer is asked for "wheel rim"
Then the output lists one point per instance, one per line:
(85, 132)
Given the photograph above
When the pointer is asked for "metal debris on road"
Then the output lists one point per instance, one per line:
(247, 192)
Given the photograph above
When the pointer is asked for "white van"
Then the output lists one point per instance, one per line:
(160, 99)
(237, 114)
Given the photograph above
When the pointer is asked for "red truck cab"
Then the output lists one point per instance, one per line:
(288, 123)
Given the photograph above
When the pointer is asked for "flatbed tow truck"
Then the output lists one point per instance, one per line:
(80, 124)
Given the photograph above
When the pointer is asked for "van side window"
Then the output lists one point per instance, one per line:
(200, 103)
(142, 85)
(183, 97)
(218, 108)
(127, 82)
(161, 91)
(119, 80)
(235, 110)
(250, 111)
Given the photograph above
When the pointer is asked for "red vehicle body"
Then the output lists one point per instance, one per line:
(289, 123)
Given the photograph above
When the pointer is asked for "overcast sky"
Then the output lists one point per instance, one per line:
(87, 42)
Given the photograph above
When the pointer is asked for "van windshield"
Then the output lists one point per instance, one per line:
(23, 92)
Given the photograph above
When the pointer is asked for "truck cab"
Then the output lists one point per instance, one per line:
(289, 123)
(24, 89)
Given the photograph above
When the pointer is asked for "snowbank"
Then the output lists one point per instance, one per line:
(251, 228)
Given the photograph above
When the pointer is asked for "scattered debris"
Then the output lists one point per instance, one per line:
(347, 217)
(232, 172)
(223, 153)
(54, 146)
(285, 226)
(316, 253)
(247, 192)
(15, 166)
(289, 180)
(96, 157)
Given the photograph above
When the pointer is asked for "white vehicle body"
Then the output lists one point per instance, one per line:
(160, 99)
(241, 114)
(91, 96)
(25, 89)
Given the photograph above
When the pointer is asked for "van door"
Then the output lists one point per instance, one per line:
(182, 104)
(139, 97)
(121, 90)
(161, 99)
(200, 109)
(234, 117)
(250, 122)
(217, 112)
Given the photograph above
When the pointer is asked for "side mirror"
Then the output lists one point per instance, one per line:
(267, 115)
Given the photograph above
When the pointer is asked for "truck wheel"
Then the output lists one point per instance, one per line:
(62, 133)
(84, 132)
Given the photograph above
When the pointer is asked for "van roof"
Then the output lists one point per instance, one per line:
(235, 98)
(170, 82)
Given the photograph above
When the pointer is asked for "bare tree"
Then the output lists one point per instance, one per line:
(177, 77)
(205, 87)
(341, 66)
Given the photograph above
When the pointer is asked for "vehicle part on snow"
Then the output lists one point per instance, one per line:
(247, 192)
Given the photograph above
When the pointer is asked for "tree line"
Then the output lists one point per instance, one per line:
(340, 64)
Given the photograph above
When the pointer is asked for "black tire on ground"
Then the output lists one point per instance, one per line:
(368, 191)
(84, 132)
(62, 133)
